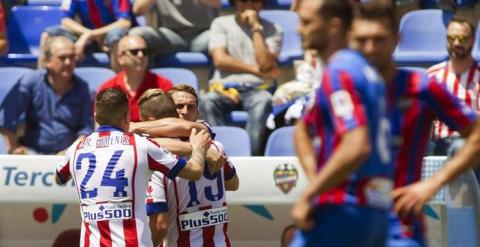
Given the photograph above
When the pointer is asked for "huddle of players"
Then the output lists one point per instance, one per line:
(185, 198)
(373, 122)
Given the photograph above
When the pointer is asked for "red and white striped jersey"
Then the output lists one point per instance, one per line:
(197, 213)
(111, 170)
(465, 86)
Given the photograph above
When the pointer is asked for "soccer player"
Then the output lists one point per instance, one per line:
(414, 101)
(111, 170)
(193, 213)
(347, 200)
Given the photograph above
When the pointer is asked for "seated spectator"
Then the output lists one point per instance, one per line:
(135, 78)
(56, 105)
(3, 32)
(176, 25)
(290, 99)
(460, 76)
(244, 49)
(87, 23)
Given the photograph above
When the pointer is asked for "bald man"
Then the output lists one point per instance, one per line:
(134, 79)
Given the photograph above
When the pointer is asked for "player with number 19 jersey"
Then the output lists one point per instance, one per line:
(353, 94)
(111, 171)
(197, 210)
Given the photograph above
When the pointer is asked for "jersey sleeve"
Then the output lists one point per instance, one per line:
(343, 100)
(64, 167)
(156, 197)
(161, 160)
(122, 9)
(445, 105)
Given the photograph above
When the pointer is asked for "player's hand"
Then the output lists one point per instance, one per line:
(215, 159)
(199, 140)
(410, 199)
(302, 212)
(250, 17)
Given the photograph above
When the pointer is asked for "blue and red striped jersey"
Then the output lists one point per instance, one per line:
(414, 102)
(352, 95)
(97, 13)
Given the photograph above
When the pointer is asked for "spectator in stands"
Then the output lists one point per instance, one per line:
(176, 25)
(135, 78)
(88, 23)
(461, 75)
(56, 104)
(244, 49)
(3, 31)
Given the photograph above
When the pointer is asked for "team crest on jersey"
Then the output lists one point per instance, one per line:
(285, 176)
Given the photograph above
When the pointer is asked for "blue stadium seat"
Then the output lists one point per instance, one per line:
(183, 59)
(25, 25)
(94, 76)
(476, 46)
(10, 76)
(419, 69)
(280, 143)
(178, 76)
(237, 118)
(292, 42)
(44, 2)
(423, 37)
(235, 140)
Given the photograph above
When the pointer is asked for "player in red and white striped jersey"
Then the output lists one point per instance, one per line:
(111, 169)
(193, 213)
(460, 75)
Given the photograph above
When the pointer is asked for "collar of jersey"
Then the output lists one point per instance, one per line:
(105, 128)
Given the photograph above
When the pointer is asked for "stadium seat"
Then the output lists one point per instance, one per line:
(419, 69)
(94, 76)
(44, 2)
(178, 76)
(280, 142)
(25, 26)
(476, 46)
(423, 37)
(235, 140)
(183, 59)
(10, 76)
(292, 42)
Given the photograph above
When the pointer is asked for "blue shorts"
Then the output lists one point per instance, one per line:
(398, 236)
(345, 225)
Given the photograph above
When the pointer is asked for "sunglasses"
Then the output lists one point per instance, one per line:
(461, 38)
(135, 52)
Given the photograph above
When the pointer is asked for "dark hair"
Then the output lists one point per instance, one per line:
(463, 20)
(111, 106)
(337, 8)
(47, 47)
(184, 88)
(154, 103)
(375, 10)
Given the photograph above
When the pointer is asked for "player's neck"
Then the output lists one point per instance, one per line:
(460, 65)
(332, 48)
(388, 72)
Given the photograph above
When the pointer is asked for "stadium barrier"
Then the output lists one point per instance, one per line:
(34, 210)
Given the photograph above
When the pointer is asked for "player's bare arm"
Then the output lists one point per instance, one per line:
(167, 127)
(304, 149)
(196, 164)
(232, 184)
(413, 197)
(158, 226)
(353, 150)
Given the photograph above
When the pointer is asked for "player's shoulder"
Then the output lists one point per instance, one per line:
(352, 63)
(437, 67)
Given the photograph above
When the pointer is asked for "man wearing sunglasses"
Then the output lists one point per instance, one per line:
(134, 79)
(461, 75)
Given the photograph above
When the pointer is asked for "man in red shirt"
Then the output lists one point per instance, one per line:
(3, 31)
(134, 79)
